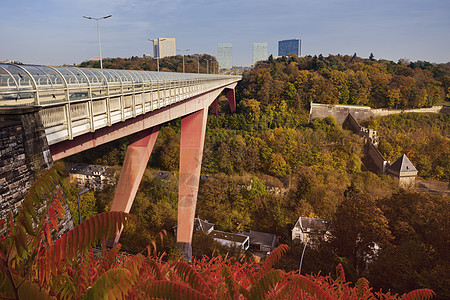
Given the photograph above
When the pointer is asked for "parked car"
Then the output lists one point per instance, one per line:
(17, 96)
(80, 95)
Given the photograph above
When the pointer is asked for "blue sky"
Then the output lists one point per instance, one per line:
(53, 32)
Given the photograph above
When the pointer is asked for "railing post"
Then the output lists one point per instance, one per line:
(133, 100)
(69, 120)
(90, 113)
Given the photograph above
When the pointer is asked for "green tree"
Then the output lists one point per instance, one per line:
(419, 255)
(359, 229)
(169, 149)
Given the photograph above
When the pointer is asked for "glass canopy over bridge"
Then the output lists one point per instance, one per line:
(78, 100)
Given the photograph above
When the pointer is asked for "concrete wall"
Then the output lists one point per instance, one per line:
(379, 112)
(339, 112)
(24, 156)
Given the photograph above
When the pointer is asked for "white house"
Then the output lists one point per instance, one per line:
(262, 241)
(305, 227)
(231, 239)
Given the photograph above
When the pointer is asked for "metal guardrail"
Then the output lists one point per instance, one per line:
(79, 100)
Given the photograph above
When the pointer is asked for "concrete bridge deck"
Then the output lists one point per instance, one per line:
(76, 101)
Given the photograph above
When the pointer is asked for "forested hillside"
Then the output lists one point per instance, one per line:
(268, 165)
(193, 63)
(424, 138)
(347, 80)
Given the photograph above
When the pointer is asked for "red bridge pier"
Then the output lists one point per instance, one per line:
(193, 128)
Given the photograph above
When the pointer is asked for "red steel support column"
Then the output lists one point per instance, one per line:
(231, 99)
(192, 139)
(215, 106)
(136, 160)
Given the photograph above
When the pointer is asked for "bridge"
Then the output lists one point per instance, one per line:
(80, 108)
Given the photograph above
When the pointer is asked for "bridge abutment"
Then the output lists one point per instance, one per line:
(24, 155)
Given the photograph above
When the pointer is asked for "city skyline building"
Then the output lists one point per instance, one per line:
(225, 56)
(164, 47)
(293, 46)
(260, 52)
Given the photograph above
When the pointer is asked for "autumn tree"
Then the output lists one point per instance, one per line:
(359, 229)
(418, 256)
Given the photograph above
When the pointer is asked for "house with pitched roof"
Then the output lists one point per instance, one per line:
(403, 171)
(199, 225)
(262, 241)
(91, 176)
(305, 228)
(231, 239)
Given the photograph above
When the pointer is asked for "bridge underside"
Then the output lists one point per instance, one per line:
(130, 126)
(193, 127)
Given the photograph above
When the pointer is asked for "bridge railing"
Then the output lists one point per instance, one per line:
(75, 101)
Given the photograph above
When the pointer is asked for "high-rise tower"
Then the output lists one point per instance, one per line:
(163, 47)
(287, 47)
(260, 52)
(225, 56)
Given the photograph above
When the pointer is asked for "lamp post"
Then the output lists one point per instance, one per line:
(83, 191)
(98, 34)
(301, 260)
(157, 54)
(183, 55)
(207, 66)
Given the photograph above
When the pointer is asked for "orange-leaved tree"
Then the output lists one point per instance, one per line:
(32, 264)
(35, 266)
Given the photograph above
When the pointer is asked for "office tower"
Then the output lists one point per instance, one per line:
(225, 56)
(163, 47)
(259, 52)
(287, 47)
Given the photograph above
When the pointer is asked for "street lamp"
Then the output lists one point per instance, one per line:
(98, 33)
(301, 260)
(157, 55)
(83, 191)
(183, 55)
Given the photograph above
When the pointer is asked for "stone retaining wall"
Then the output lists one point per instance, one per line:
(377, 158)
(340, 112)
(24, 156)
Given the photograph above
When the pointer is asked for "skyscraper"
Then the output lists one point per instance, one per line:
(259, 52)
(287, 47)
(163, 47)
(225, 56)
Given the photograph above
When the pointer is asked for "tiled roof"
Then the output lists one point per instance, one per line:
(402, 165)
(202, 225)
(263, 238)
(86, 169)
(228, 236)
(313, 224)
